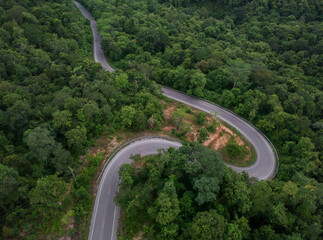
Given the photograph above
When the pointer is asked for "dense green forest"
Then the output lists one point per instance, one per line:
(262, 59)
(54, 100)
(190, 194)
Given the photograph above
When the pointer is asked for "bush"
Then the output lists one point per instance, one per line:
(200, 118)
(203, 135)
(7, 232)
(235, 150)
(211, 128)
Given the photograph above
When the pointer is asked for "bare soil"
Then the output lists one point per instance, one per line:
(217, 140)
(108, 142)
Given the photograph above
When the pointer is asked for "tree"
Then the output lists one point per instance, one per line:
(260, 76)
(197, 82)
(91, 111)
(131, 26)
(41, 143)
(17, 116)
(9, 184)
(265, 232)
(76, 139)
(140, 121)
(251, 103)
(39, 61)
(205, 168)
(46, 150)
(126, 173)
(61, 159)
(238, 73)
(295, 104)
(153, 39)
(177, 118)
(62, 120)
(48, 195)
(127, 116)
(261, 194)
(207, 225)
(207, 188)
(16, 13)
(122, 81)
(228, 99)
(236, 192)
(233, 232)
(166, 207)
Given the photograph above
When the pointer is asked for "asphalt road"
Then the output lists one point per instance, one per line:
(105, 216)
(97, 50)
(264, 167)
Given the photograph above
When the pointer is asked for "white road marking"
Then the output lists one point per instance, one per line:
(198, 106)
(114, 217)
(103, 223)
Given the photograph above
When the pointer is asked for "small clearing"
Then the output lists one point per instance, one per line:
(217, 140)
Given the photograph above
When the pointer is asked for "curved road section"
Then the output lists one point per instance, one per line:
(97, 50)
(265, 165)
(105, 216)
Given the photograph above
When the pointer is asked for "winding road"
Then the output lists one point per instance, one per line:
(105, 216)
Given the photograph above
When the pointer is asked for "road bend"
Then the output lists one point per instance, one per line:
(105, 215)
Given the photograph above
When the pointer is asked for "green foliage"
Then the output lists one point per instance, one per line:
(76, 139)
(200, 118)
(203, 135)
(167, 195)
(207, 225)
(128, 114)
(122, 81)
(54, 100)
(166, 206)
(46, 150)
(9, 184)
(62, 120)
(189, 194)
(177, 118)
(259, 59)
(47, 197)
(7, 232)
(237, 73)
(82, 190)
(234, 150)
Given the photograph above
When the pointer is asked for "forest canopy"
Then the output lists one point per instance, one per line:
(261, 59)
(54, 101)
(190, 194)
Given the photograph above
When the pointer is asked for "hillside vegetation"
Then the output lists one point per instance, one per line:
(54, 100)
(190, 194)
(261, 59)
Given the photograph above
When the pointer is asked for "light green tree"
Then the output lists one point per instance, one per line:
(48, 195)
(238, 73)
